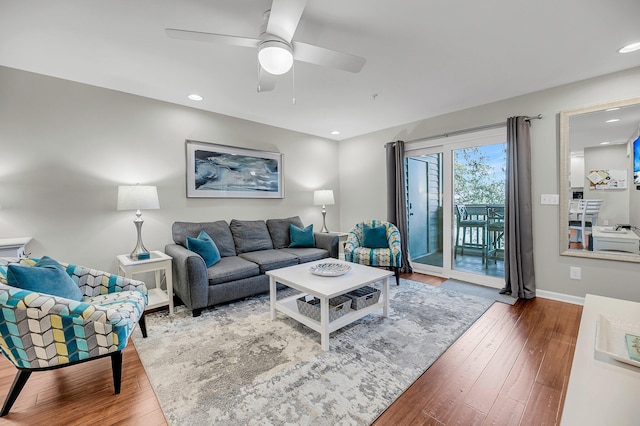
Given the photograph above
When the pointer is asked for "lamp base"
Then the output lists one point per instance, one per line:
(139, 252)
(324, 222)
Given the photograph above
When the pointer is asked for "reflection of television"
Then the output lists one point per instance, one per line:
(636, 161)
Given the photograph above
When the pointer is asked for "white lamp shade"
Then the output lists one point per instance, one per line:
(323, 197)
(138, 197)
(275, 57)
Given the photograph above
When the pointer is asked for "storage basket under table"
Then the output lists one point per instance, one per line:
(310, 306)
(363, 297)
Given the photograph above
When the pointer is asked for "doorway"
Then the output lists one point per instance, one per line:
(455, 206)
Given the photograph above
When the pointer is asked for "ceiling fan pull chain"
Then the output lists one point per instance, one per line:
(258, 86)
(293, 83)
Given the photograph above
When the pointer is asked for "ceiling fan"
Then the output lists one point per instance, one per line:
(276, 50)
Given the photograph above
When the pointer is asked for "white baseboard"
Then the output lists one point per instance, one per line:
(561, 297)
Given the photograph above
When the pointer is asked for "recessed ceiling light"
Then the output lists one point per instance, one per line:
(630, 48)
(195, 97)
(613, 120)
(335, 132)
(605, 143)
(612, 109)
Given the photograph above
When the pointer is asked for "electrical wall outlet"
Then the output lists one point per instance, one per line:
(606, 222)
(549, 199)
(575, 273)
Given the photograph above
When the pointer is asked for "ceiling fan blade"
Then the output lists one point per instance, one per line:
(266, 81)
(328, 58)
(284, 18)
(212, 38)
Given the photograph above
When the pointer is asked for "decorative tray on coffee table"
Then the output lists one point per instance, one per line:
(618, 339)
(330, 269)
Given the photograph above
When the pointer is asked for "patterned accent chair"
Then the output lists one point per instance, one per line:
(40, 332)
(354, 250)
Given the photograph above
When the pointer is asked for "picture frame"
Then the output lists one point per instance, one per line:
(607, 179)
(223, 171)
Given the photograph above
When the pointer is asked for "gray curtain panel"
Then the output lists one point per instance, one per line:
(518, 256)
(397, 197)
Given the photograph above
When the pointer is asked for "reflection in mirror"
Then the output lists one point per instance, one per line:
(599, 201)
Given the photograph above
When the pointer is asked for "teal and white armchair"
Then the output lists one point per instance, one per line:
(40, 331)
(375, 243)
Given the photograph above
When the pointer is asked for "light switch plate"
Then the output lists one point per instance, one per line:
(549, 199)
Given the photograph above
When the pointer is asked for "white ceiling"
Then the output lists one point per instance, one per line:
(424, 57)
(592, 129)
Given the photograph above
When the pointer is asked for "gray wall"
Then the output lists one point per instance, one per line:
(65, 147)
(363, 184)
(615, 206)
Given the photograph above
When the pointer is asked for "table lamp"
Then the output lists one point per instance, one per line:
(323, 197)
(138, 197)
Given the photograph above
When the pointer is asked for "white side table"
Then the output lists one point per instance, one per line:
(157, 263)
(342, 238)
(13, 247)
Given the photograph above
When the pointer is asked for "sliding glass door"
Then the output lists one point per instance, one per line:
(455, 196)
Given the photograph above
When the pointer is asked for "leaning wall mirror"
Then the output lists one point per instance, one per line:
(600, 181)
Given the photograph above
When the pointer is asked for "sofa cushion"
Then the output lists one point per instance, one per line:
(230, 269)
(270, 259)
(205, 247)
(46, 276)
(279, 230)
(218, 231)
(305, 255)
(250, 235)
(302, 237)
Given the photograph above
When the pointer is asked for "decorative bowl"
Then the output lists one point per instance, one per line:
(330, 269)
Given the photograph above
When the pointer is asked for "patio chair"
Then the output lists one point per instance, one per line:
(494, 234)
(470, 227)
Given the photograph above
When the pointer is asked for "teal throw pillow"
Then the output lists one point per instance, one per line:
(301, 237)
(47, 276)
(205, 247)
(375, 237)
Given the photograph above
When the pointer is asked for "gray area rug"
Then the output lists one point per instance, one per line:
(478, 290)
(234, 366)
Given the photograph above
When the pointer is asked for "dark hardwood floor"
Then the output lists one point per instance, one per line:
(510, 368)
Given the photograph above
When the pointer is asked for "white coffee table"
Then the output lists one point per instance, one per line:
(325, 288)
(624, 240)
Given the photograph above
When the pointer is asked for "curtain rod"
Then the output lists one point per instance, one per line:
(469, 130)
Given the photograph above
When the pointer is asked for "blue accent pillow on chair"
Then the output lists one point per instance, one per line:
(46, 276)
(301, 237)
(205, 247)
(375, 237)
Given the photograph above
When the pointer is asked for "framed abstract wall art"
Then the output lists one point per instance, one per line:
(222, 171)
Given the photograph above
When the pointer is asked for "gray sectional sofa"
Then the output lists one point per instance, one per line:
(248, 248)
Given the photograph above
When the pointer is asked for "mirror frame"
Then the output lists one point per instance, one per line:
(565, 184)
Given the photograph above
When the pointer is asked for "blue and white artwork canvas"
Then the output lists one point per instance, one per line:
(225, 171)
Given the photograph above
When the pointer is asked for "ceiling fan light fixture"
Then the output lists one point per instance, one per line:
(630, 48)
(275, 57)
